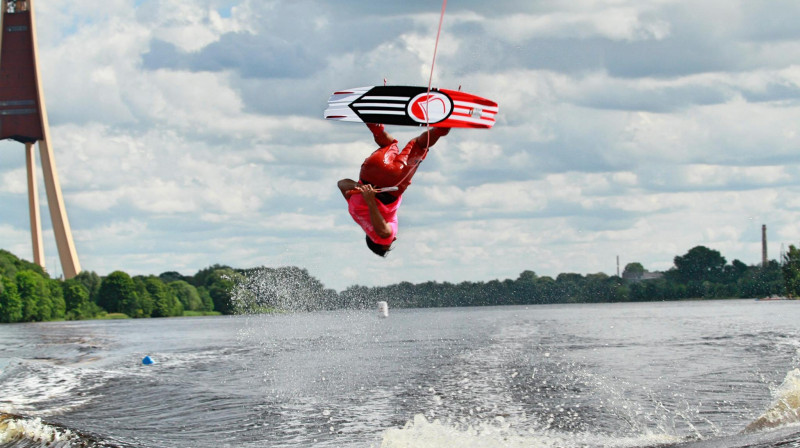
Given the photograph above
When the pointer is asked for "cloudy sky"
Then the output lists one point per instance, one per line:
(190, 132)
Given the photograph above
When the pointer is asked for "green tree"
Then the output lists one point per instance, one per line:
(547, 289)
(700, 264)
(219, 284)
(524, 288)
(568, 287)
(201, 278)
(171, 276)
(75, 293)
(188, 295)
(600, 288)
(357, 297)
(78, 303)
(205, 297)
(791, 271)
(10, 301)
(165, 303)
(8, 267)
(769, 279)
(56, 294)
(91, 282)
(35, 295)
(147, 302)
(527, 276)
(734, 272)
(118, 294)
(10, 264)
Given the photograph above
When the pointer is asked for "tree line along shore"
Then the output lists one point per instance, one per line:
(28, 294)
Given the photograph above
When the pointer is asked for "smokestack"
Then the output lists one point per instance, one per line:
(764, 245)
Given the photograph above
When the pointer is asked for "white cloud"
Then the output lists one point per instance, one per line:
(191, 24)
(87, 75)
(299, 221)
(178, 169)
(95, 200)
(614, 23)
(472, 152)
(14, 181)
(17, 241)
(112, 233)
(704, 176)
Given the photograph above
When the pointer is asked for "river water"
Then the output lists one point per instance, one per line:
(626, 375)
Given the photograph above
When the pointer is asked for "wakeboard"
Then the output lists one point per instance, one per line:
(412, 106)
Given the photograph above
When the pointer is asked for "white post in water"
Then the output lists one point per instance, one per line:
(383, 309)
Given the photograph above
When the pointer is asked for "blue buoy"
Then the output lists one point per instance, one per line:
(148, 361)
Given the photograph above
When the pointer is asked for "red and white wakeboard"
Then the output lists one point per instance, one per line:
(412, 106)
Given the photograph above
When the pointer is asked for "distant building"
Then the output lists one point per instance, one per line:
(641, 276)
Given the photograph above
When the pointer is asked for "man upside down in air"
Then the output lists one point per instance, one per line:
(374, 210)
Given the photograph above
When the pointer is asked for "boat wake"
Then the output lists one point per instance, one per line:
(499, 433)
(785, 407)
(23, 432)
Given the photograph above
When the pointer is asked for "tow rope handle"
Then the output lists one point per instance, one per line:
(377, 190)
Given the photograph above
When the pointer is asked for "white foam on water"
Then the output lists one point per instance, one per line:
(423, 433)
(40, 389)
(168, 361)
(14, 429)
(795, 343)
(785, 406)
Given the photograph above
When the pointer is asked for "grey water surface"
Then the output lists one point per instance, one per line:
(644, 374)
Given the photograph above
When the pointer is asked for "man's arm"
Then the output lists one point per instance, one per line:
(346, 185)
(382, 228)
(382, 138)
